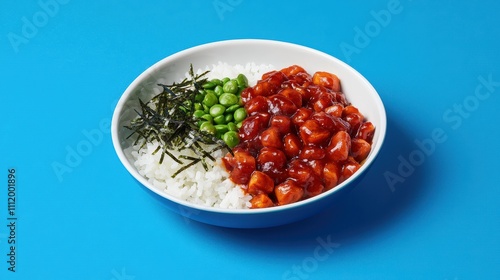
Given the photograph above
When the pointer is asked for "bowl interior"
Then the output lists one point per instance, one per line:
(279, 54)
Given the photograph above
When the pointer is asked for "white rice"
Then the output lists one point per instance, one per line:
(209, 188)
(252, 71)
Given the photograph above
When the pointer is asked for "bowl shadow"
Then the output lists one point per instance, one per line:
(370, 207)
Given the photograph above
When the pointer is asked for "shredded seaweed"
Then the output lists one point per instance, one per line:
(168, 119)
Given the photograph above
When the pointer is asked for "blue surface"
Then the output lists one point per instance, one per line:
(80, 215)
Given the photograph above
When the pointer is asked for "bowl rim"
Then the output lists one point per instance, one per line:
(382, 127)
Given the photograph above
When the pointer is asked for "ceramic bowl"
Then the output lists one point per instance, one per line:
(279, 54)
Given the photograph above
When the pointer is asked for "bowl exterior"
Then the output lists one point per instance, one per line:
(255, 219)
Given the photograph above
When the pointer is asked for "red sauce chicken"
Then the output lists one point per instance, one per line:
(300, 139)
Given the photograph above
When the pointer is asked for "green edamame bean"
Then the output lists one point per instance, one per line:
(228, 99)
(242, 81)
(238, 125)
(240, 114)
(217, 82)
(208, 127)
(209, 91)
(228, 118)
(199, 97)
(209, 85)
(207, 117)
(221, 128)
(198, 106)
(232, 126)
(198, 113)
(220, 119)
(225, 80)
(231, 138)
(232, 108)
(210, 99)
(217, 110)
(206, 109)
(218, 91)
(231, 87)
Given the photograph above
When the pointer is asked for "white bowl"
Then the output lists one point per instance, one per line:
(279, 54)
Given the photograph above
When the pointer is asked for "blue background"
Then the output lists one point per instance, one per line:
(65, 64)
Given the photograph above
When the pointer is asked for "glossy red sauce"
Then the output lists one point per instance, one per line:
(301, 137)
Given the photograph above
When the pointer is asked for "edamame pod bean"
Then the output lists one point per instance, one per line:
(240, 114)
(242, 81)
(228, 118)
(238, 125)
(228, 99)
(199, 97)
(210, 91)
(207, 117)
(225, 80)
(232, 126)
(232, 108)
(208, 85)
(217, 82)
(231, 138)
(198, 106)
(231, 87)
(217, 110)
(220, 119)
(208, 127)
(221, 128)
(198, 113)
(210, 99)
(218, 91)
